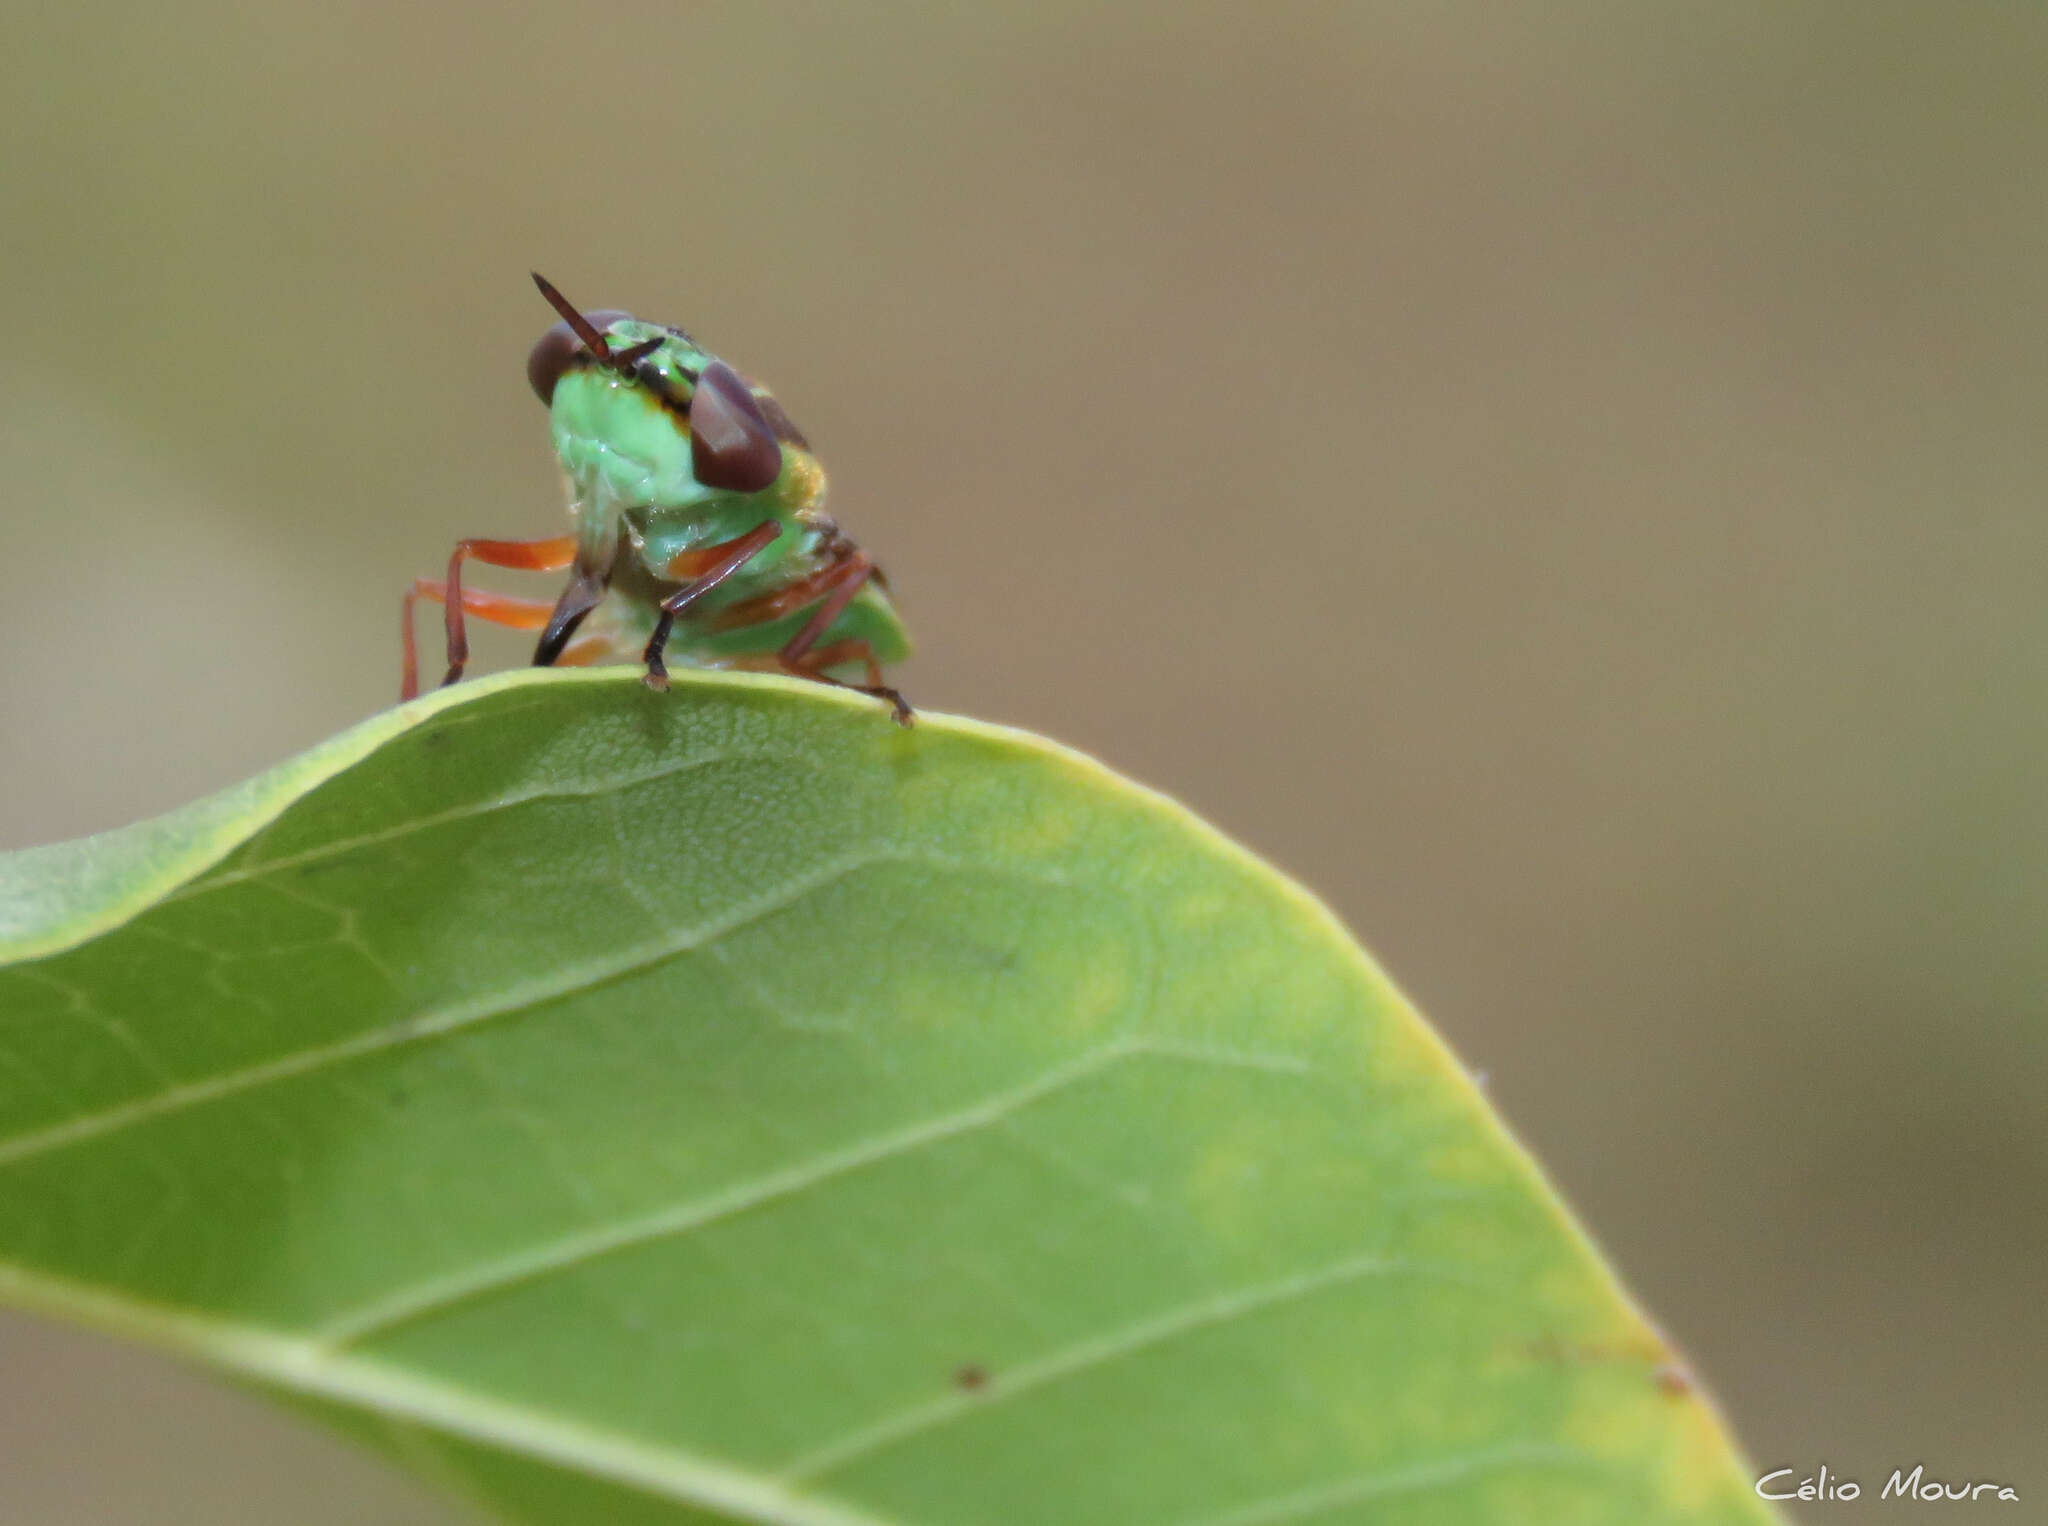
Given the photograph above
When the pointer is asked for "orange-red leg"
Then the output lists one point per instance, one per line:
(803, 656)
(550, 555)
(710, 566)
(795, 596)
(498, 608)
(836, 584)
(813, 666)
(842, 581)
(832, 655)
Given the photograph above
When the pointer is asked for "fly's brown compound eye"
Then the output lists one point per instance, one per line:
(552, 352)
(732, 444)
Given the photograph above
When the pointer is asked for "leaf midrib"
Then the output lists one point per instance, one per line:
(310, 1369)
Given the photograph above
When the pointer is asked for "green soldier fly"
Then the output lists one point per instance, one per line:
(700, 531)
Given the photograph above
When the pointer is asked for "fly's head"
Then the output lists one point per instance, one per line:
(646, 396)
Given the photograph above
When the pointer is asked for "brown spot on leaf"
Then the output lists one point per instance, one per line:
(1673, 1380)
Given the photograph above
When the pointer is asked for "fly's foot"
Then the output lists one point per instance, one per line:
(904, 715)
(656, 676)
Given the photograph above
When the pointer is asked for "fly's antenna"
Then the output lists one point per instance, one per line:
(593, 341)
(626, 360)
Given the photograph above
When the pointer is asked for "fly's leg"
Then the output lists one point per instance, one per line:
(584, 593)
(857, 650)
(837, 653)
(707, 567)
(804, 657)
(498, 608)
(550, 555)
(786, 600)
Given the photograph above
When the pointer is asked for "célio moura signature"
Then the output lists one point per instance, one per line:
(1783, 1484)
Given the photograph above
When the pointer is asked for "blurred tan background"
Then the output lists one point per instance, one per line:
(1571, 488)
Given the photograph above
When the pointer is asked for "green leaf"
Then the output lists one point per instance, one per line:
(726, 1106)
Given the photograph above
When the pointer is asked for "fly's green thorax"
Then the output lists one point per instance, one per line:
(616, 435)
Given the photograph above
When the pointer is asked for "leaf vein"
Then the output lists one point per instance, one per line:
(1436, 1474)
(438, 1297)
(631, 961)
(1083, 1356)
